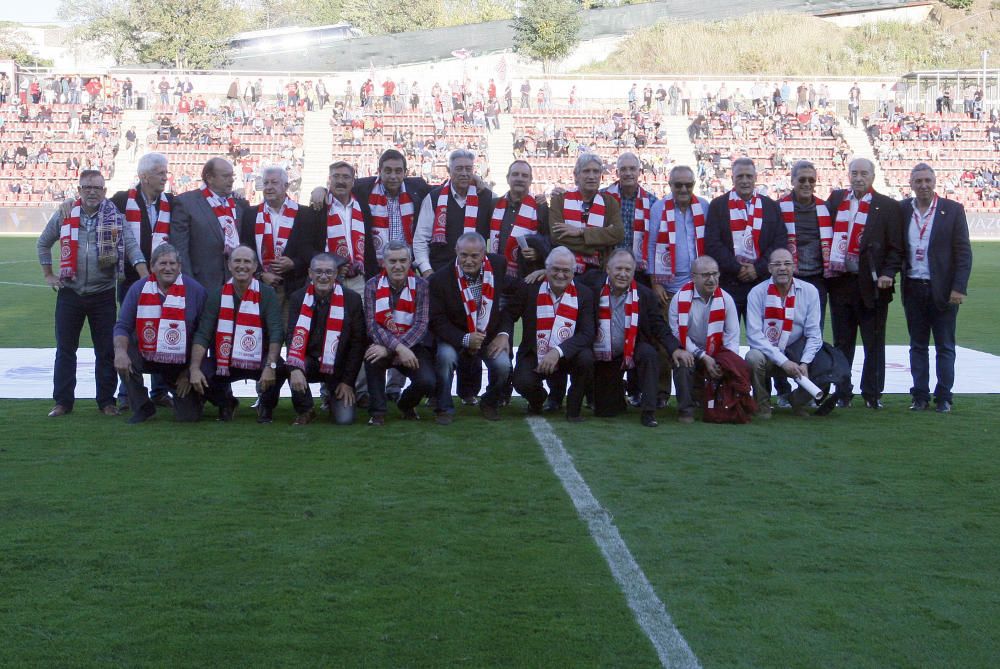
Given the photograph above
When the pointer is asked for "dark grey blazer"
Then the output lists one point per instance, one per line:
(197, 235)
(949, 253)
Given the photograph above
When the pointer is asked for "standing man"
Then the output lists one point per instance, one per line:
(782, 331)
(465, 319)
(204, 225)
(326, 341)
(557, 325)
(743, 229)
(938, 261)
(457, 206)
(519, 228)
(704, 320)
(636, 205)
(154, 334)
(345, 225)
(241, 325)
(865, 255)
(397, 316)
(94, 246)
(583, 220)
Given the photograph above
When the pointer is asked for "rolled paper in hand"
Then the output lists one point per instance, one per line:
(809, 387)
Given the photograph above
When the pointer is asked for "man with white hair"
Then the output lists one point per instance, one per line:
(457, 206)
(285, 235)
(583, 220)
(636, 207)
(865, 255)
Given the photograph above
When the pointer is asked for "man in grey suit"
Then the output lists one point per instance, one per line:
(937, 264)
(205, 224)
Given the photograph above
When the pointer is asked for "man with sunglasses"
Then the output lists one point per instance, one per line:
(809, 227)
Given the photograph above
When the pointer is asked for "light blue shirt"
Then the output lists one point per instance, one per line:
(805, 323)
(687, 246)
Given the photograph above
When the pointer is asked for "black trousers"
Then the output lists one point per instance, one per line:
(220, 387)
(421, 381)
(528, 382)
(848, 317)
(186, 409)
(609, 390)
(72, 309)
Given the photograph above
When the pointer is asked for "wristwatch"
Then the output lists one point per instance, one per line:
(272, 365)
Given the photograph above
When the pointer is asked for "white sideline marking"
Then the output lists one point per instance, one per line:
(649, 611)
(27, 285)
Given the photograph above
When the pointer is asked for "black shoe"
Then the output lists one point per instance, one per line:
(227, 411)
(844, 403)
(470, 400)
(393, 397)
(411, 414)
(534, 409)
(264, 415)
(920, 405)
(164, 401)
(635, 400)
(944, 406)
(875, 404)
(648, 419)
(661, 400)
(551, 406)
(362, 401)
(145, 412)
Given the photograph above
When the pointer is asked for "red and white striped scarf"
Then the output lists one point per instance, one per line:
(665, 252)
(378, 203)
(272, 235)
(746, 232)
(69, 242)
(573, 216)
(110, 239)
(477, 316)
(787, 205)
(640, 222)
(224, 209)
(239, 336)
(716, 317)
(161, 227)
(602, 342)
(554, 325)
(779, 314)
(847, 231)
(399, 319)
(440, 230)
(346, 240)
(331, 333)
(525, 223)
(161, 328)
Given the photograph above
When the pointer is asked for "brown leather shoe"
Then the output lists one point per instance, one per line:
(489, 412)
(58, 410)
(305, 418)
(110, 410)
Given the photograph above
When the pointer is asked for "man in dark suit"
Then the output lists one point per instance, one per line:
(937, 264)
(204, 225)
(616, 349)
(312, 357)
(390, 203)
(465, 318)
(147, 210)
(557, 324)
(519, 214)
(866, 254)
(285, 235)
(759, 230)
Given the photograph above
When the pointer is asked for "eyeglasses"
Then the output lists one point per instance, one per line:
(781, 265)
(707, 275)
(324, 272)
(682, 184)
(806, 180)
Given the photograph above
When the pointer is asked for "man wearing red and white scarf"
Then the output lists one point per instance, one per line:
(629, 325)
(204, 225)
(146, 207)
(782, 331)
(94, 244)
(519, 223)
(326, 341)
(465, 319)
(636, 209)
(397, 315)
(345, 226)
(584, 221)
(457, 206)
(557, 326)
(154, 335)
(285, 235)
(865, 255)
(241, 324)
(742, 230)
(703, 318)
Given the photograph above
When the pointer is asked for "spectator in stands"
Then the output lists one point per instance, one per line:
(164, 88)
(94, 244)
(742, 228)
(5, 88)
(636, 204)
(525, 95)
(204, 224)
(937, 264)
(853, 104)
(866, 253)
(152, 337)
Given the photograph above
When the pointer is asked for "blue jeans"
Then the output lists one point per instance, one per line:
(498, 369)
(71, 310)
(922, 319)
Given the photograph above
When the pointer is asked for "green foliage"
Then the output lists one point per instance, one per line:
(959, 4)
(12, 45)
(547, 30)
(377, 17)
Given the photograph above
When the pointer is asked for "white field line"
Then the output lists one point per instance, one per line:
(16, 262)
(649, 611)
(26, 285)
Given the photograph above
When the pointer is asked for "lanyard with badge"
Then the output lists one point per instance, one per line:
(923, 222)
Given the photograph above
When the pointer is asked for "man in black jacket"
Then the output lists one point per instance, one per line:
(866, 254)
(742, 230)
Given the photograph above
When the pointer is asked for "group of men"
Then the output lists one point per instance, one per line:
(619, 294)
